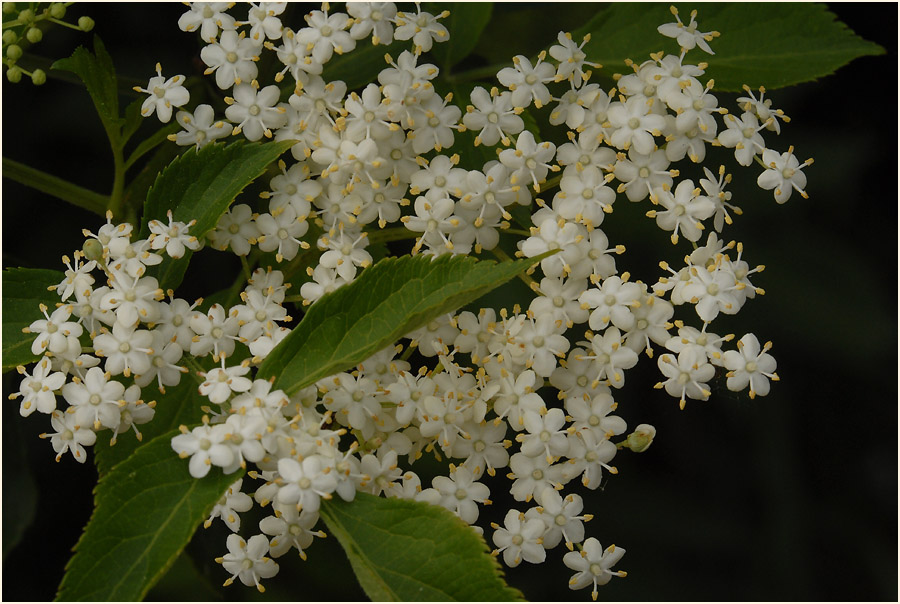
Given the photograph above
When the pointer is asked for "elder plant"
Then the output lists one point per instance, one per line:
(527, 391)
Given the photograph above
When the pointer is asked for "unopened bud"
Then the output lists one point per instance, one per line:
(13, 52)
(38, 77)
(34, 35)
(9, 7)
(85, 23)
(10, 37)
(93, 250)
(26, 15)
(57, 10)
(641, 439)
(14, 74)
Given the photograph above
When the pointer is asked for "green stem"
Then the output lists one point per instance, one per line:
(504, 257)
(522, 232)
(57, 187)
(487, 71)
(391, 234)
(115, 198)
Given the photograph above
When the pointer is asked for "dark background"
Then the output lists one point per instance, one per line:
(792, 496)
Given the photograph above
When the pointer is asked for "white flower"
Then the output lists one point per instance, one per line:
(174, 237)
(683, 210)
(326, 35)
(687, 36)
(459, 493)
(247, 560)
(290, 529)
(305, 483)
(687, 375)
(229, 504)
(762, 107)
(38, 389)
(233, 59)
(750, 365)
(235, 228)
(610, 357)
(612, 301)
(527, 82)
(54, 331)
(593, 564)
(126, 349)
(743, 136)
(206, 447)
(164, 95)
(209, 17)
(528, 161)
(422, 28)
(519, 539)
(492, 115)
(783, 173)
(69, 436)
(374, 18)
(255, 112)
(95, 400)
(221, 382)
(633, 123)
(263, 20)
(199, 127)
(572, 58)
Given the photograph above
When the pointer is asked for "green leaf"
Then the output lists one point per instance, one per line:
(180, 404)
(388, 300)
(410, 551)
(200, 185)
(466, 22)
(772, 45)
(363, 65)
(24, 289)
(99, 76)
(146, 510)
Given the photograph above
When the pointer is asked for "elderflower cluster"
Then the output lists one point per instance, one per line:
(528, 391)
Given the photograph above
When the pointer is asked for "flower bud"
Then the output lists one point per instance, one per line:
(14, 52)
(26, 15)
(85, 23)
(9, 7)
(10, 37)
(34, 35)
(93, 249)
(14, 74)
(38, 77)
(57, 10)
(641, 439)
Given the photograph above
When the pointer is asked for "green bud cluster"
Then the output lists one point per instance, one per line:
(26, 28)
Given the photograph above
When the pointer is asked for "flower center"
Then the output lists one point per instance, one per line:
(231, 57)
(517, 540)
(634, 123)
(124, 347)
(750, 366)
(440, 181)
(697, 105)
(644, 172)
(537, 474)
(369, 116)
(461, 494)
(304, 483)
(493, 118)
(558, 301)
(531, 79)
(684, 377)
(561, 520)
(253, 110)
(326, 31)
(712, 289)
(94, 399)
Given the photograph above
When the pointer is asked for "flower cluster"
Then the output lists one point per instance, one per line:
(528, 392)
